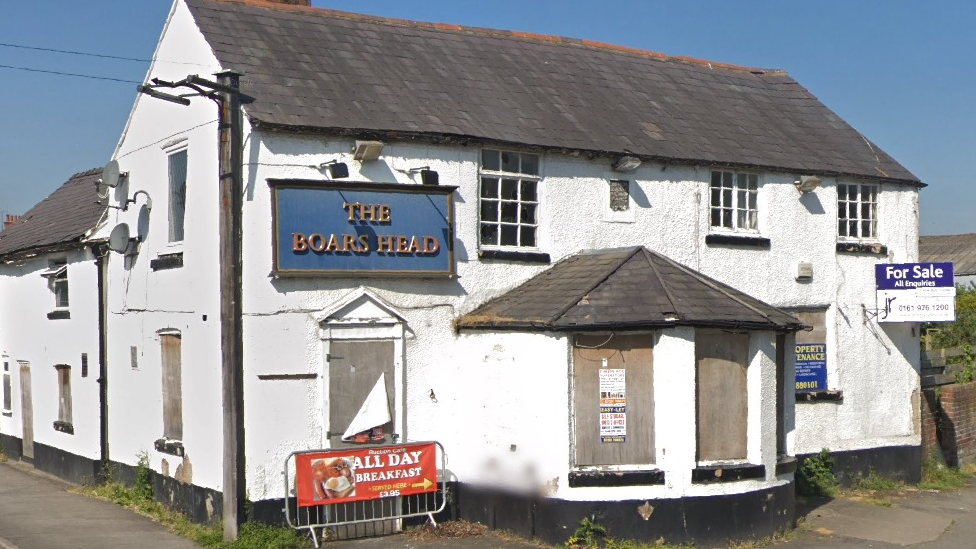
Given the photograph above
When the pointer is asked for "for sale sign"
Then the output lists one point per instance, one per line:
(915, 292)
(354, 474)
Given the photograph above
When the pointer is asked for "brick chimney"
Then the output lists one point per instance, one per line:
(11, 219)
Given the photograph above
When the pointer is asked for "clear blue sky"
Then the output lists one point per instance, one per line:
(902, 72)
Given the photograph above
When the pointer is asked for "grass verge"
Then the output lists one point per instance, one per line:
(250, 536)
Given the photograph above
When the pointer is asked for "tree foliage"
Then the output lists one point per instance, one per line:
(963, 330)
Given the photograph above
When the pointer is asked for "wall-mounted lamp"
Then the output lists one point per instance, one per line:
(337, 170)
(625, 164)
(807, 183)
(427, 175)
(367, 151)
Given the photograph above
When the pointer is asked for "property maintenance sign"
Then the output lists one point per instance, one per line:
(915, 292)
(361, 229)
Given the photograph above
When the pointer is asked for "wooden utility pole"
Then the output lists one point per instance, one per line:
(231, 195)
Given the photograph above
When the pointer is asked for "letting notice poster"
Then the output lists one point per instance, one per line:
(613, 405)
(355, 474)
(811, 366)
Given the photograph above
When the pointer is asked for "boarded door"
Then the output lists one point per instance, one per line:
(354, 368)
(722, 395)
(600, 444)
(27, 410)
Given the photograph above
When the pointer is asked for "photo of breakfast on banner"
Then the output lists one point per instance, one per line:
(333, 478)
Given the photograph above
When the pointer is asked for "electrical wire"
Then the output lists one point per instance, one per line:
(75, 53)
(99, 55)
(59, 73)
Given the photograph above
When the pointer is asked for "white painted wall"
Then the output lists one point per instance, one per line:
(27, 334)
(482, 381)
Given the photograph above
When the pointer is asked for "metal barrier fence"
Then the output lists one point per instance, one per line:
(369, 517)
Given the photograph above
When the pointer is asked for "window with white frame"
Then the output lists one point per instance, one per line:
(57, 276)
(509, 199)
(733, 203)
(177, 194)
(857, 211)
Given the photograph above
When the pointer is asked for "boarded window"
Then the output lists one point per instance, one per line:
(172, 386)
(811, 351)
(722, 395)
(64, 393)
(613, 397)
(354, 368)
(619, 195)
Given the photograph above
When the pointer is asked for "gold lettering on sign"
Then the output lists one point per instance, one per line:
(360, 244)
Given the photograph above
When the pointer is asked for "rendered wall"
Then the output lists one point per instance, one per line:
(27, 334)
(479, 375)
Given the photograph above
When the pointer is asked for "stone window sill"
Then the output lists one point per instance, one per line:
(167, 261)
(786, 465)
(514, 255)
(169, 446)
(64, 427)
(869, 248)
(708, 474)
(820, 396)
(603, 479)
(745, 241)
(59, 314)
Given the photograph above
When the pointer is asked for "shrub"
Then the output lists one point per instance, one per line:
(815, 476)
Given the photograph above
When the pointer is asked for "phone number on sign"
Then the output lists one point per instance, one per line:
(923, 308)
(801, 385)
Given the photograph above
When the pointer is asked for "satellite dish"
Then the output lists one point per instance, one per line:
(118, 241)
(110, 174)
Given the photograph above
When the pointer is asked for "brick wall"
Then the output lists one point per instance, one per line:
(955, 414)
(930, 425)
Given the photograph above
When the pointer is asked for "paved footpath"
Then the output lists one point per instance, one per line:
(37, 511)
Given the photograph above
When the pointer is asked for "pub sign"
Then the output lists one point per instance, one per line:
(341, 229)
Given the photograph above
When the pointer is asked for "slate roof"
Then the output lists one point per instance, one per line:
(958, 249)
(624, 288)
(57, 222)
(312, 69)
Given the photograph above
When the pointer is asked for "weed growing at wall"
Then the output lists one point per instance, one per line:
(143, 487)
(969, 358)
(936, 475)
(588, 534)
(815, 476)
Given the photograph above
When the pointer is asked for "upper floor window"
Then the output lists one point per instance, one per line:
(177, 195)
(57, 275)
(509, 199)
(733, 204)
(857, 212)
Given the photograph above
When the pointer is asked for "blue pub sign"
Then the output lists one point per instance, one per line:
(360, 229)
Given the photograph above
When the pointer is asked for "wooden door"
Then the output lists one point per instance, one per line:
(27, 411)
(722, 395)
(354, 368)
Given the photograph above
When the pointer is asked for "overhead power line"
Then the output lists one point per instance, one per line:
(99, 55)
(75, 53)
(59, 73)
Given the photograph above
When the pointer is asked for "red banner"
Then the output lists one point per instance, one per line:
(355, 474)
